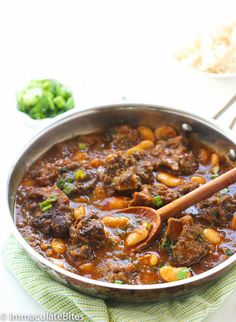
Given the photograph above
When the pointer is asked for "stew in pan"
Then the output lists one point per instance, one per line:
(66, 205)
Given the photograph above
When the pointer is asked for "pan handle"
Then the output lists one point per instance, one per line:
(224, 109)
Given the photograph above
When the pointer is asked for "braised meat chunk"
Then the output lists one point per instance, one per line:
(86, 236)
(144, 170)
(174, 155)
(190, 246)
(146, 197)
(49, 211)
(123, 137)
(126, 172)
(115, 270)
(46, 173)
(187, 187)
(78, 182)
(89, 230)
(85, 180)
(185, 241)
(217, 209)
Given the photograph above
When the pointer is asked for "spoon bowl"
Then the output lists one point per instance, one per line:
(152, 216)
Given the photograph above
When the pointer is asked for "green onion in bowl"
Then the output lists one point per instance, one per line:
(45, 98)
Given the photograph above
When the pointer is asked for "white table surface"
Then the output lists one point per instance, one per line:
(105, 51)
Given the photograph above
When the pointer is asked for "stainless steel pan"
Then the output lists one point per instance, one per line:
(97, 118)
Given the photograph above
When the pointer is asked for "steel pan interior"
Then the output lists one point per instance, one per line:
(95, 119)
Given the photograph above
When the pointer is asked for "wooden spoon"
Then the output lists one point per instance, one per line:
(175, 208)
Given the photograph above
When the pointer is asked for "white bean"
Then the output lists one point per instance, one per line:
(169, 180)
(136, 236)
(212, 236)
(115, 222)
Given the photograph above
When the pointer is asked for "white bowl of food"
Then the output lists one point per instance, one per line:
(212, 53)
(41, 101)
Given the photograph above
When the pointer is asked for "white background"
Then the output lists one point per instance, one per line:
(103, 50)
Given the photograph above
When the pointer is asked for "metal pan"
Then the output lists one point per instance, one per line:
(91, 120)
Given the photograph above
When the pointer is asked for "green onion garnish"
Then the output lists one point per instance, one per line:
(215, 212)
(44, 98)
(63, 170)
(59, 101)
(118, 282)
(215, 171)
(229, 252)
(62, 181)
(82, 146)
(80, 175)
(225, 190)
(183, 273)
(46, 207)
(47, 204)
(158, 201)
(166, 244)
(68, 188)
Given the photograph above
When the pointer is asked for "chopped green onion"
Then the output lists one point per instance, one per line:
(214, 176)
(47, 204)
(215, 212)
(118, 282)
(44, 98)
(63, 170)
(68, 188)
(82, 146)
(159, 204)
(52, 198)
(46, 207)
(158, 201)
(200, 238)
(225, 190)
(183, 273)
(229, 252)
(70, 103)
(215, 171)
(80, 175)
(157, 198)
(62, 181)
(60, 184)
(59, 101)
(166, 244)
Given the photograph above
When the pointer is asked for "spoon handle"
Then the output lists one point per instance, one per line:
(197, 195)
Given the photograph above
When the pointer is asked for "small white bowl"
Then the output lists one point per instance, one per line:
(187, 68)
(219, 75)
(35, 124)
